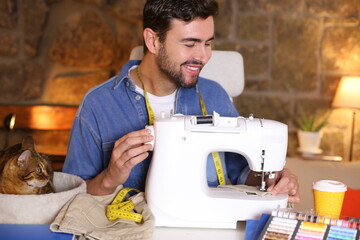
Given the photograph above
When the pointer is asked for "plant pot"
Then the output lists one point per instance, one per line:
(309, 141)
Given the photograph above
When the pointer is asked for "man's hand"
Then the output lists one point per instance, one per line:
(128, 151)
(284, 182)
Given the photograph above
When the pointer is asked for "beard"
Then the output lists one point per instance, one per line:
(173, 72)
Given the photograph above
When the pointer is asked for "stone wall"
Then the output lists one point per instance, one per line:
(295, 51)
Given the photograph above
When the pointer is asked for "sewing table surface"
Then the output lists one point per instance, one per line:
(42, 231)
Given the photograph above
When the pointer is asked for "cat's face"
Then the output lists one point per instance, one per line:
(25, 171)
(33, 168)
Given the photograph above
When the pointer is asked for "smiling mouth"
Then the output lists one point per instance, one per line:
(193, 68)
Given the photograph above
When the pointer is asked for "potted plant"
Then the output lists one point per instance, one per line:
(309, 131)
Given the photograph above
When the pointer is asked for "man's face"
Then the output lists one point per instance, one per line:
(186, 50)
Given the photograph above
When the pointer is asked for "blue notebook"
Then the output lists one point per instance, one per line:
(30, 232)
(255, 227)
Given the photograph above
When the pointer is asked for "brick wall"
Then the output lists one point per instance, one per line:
(295, 51)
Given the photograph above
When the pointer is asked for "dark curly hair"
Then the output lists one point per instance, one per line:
(158, 14)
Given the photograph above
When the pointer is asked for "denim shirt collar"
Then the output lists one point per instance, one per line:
(124, 74)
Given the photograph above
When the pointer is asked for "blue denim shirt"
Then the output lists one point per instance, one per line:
(114, 108)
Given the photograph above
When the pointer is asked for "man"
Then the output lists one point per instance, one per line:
(108, 144)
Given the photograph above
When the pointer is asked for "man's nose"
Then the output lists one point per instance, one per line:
(203, 53)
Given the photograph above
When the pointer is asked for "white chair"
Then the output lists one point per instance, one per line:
(224, 67)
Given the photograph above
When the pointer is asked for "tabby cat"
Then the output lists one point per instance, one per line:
(25, 171)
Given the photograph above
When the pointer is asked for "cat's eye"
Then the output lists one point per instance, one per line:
(38, 170)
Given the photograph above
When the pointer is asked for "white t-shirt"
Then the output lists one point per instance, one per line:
(160, 105)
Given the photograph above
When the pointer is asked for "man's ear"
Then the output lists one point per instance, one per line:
(151, 40)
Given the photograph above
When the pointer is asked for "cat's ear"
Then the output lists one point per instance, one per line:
(28, 143)
(24, 159)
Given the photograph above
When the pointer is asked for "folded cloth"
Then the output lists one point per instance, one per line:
(84, 216)
(246, 189)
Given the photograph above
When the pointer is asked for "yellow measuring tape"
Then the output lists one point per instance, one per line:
(215, 155)
(123, 210)
(151, 115)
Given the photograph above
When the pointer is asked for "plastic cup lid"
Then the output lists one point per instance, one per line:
(329, 186)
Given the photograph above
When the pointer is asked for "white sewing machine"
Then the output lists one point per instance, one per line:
(176, 188)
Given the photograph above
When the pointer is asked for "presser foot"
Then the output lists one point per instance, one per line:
(270, 175)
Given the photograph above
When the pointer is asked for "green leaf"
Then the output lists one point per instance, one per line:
(310, 123)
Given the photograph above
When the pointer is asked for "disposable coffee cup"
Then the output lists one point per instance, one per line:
(329, 197)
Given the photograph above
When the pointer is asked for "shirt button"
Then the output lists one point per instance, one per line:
(127, 84)
(137, 97)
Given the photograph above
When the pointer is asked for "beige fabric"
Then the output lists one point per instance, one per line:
(246, 189)
(85, 217)
(42, 208)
